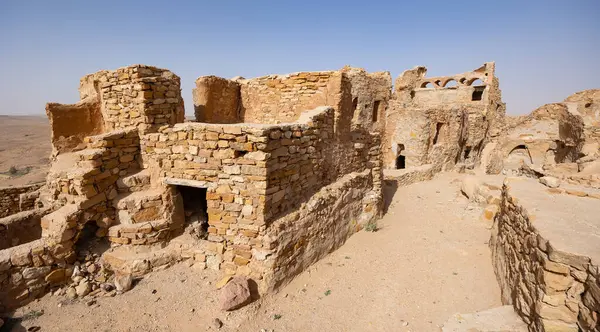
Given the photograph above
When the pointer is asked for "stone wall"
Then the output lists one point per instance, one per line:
(21, 227)
(552, 290)
(14, 199)
(282, 98)
(321, 225)
(70, 124)
(138, 96)
(422, 108)
(28, 270)
(217, 100)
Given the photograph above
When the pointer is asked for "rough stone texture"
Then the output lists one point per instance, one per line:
(235, 294)
(21, 227)
(15, 199)
(217, 100)
(317, 162)
(430, 122)
(545, 255)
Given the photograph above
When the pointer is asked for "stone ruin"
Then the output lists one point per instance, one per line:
(277, 171)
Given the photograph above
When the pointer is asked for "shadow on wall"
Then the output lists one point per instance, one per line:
(517, 156)
(389, 190)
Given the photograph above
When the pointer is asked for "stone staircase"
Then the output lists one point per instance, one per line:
(141, 218)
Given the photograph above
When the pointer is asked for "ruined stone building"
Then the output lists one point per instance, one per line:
(274, 173)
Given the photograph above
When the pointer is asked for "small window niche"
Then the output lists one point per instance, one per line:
(375, 114)
(477, 93)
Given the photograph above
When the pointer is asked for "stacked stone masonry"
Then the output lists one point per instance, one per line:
(552, 290)
(17, 199)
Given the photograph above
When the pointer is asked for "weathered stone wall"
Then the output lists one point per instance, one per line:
(70, 124)
(138, 96)
(217, 100)
(550, 289)
(14, 199)
(320, 226)
(89, 191)
(21, 227)
(423, 108)
(371, 93)
(27, 270)
(282, 98)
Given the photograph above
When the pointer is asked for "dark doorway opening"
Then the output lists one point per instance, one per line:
(400, 159)
(400, 162)
(90, 242)
(194, 208)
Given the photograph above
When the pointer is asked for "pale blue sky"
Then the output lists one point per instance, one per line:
(544, 50)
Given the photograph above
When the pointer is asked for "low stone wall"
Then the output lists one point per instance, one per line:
(320, 226)
(551, 290)
(10, 199)
(21, 228)
(26, 271)
(405, 177)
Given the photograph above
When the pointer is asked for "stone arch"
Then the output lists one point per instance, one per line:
(475, 82)
(450, 83)
(427, 85)
(517, 156)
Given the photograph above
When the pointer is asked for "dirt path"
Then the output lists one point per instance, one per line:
(429, 260)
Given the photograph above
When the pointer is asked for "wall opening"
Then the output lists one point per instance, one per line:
(475, 82)
(375, 110)
(467, 152)
(400, 159)
(438, 128)
(354, 104)
(89, 241)
(400, 162)
(477, 94)
(427, 85)
(195, 210)
(450, 84)
(518, 156)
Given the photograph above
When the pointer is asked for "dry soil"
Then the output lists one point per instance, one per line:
(429, 260)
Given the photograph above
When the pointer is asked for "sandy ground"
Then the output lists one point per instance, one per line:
(24, 143)
(429, 260)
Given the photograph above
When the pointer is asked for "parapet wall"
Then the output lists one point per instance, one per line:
(282, 98)
(14, 199)
(541, 261)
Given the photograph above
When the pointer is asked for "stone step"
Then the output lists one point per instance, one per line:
(135, 200)
(140, 260)
(135, 182)
(144, 233)
(499, 319)
(139, 206)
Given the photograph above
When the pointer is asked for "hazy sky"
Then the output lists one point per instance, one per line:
(544, 50)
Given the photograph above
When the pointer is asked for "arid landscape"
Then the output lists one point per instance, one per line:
(25, 148)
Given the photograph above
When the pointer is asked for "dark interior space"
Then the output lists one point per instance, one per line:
(194, 207)
(400, 162)
(477, 94)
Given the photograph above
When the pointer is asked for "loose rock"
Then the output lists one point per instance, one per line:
(235, 294)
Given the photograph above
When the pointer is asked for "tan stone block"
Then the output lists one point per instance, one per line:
(556, 282)
(239, 260)
(120, 240)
